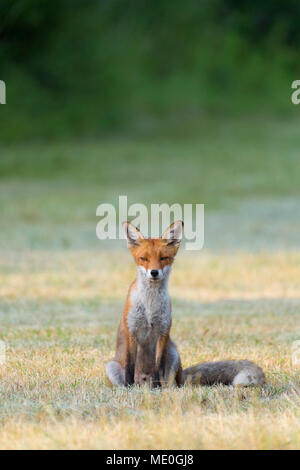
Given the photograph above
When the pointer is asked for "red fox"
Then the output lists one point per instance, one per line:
(145, 352)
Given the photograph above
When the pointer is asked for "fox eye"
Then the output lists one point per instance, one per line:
(143, 259)
(162, 258)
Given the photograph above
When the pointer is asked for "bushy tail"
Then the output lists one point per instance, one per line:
(224, 372)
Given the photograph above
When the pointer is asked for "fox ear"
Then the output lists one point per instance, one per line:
(173, 234)
(133, 234)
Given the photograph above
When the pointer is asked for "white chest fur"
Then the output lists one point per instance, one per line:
(150, 315)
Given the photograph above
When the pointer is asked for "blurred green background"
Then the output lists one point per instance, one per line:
(91, 67)
(165, 101)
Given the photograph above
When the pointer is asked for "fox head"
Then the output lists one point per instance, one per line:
(154, 256)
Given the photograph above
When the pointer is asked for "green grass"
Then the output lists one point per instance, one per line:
(62, 290)
(51, 191)
(215, 159)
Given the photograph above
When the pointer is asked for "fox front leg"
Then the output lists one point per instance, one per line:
(145, 365)
(130, 363)
(161, 360)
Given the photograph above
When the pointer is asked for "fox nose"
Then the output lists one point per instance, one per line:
(154, 273)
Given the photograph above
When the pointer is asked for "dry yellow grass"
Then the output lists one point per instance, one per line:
(59, 313)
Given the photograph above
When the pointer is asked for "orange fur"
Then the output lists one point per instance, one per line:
(145, 352)
(151, 254)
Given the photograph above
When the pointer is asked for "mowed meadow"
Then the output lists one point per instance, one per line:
(62, 290)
